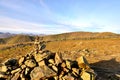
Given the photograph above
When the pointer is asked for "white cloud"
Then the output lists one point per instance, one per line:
(16, 25)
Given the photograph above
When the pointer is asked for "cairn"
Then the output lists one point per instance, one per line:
(43, 64)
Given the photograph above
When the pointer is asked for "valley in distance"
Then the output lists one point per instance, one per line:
(101, 49)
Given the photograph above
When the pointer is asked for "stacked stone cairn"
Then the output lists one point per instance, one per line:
(42, 64)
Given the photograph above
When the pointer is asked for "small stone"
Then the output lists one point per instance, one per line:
(3, 75)
(68, 78)
(16, 76)
(27, 70)
(51, 61)
(55, 68)
(87, 76)
(75, 70)
(21, 60)
(4, 69)
(16, 70)
(56, 77)
(23, 66)
(68, 64)
(65, 70)
(30, 63)
(63, 65)
(50, 65)
(61, 74)
(41, 63)
(58, 58)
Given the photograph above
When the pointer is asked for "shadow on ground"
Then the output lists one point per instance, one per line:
(107, 69)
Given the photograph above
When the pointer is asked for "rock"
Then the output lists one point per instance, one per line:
(65, 70)
(16, 76)
(87, 76)
(75, 70)
(12, 64)
(27, 70)
(39, 56)
(16, 70)
(68, 78)
(82, 62)
(55, 68)
(23, 66)
(51, 61)
(63, 65)
(118, 75)
(3, 75)
(41, 72)
(56, 77)
(61, 74)
(68, 64)
(21, 60)
(58, 58)
(4, 69)
(41, 63)
(30, 63)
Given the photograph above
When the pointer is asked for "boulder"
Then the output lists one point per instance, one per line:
(41, 72)
(87, 76)
(82, 62)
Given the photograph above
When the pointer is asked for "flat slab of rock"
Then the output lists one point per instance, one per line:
(42, 72)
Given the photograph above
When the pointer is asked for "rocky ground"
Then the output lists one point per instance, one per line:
(49, 64)
(45, 65)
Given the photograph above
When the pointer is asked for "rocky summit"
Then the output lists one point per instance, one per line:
(42, 64)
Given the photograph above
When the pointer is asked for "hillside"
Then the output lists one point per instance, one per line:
(80, 35)
(21, 38)
(17, 39)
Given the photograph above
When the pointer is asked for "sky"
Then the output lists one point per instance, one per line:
(59, 16)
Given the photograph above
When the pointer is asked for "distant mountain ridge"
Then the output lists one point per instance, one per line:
(9, 38)
(81, 35)
(5, 35)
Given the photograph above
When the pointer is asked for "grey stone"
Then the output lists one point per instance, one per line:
(41, 72)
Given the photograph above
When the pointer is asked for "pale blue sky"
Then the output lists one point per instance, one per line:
(59, 16)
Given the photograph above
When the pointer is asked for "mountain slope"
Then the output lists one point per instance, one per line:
(81, 35)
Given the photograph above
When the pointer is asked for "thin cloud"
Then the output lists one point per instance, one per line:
(16, 25)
